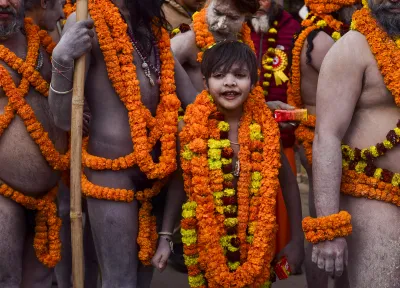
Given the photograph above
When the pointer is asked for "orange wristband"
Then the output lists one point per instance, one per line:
(327, 228)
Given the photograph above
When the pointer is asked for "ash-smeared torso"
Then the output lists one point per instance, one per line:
(23, 166)
(110, 132)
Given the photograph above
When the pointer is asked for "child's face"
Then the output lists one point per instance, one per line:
(231, 89)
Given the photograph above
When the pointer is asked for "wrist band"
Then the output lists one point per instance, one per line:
(59, 92)
(327, 228)
(165, 233)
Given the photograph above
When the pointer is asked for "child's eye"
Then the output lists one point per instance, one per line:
(218, 75)
(240, 75)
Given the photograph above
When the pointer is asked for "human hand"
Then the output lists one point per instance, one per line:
(160, 259)
(331, 256)
(294, 252)
(278, 105)
(76, 42)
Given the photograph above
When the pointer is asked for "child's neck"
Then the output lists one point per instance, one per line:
(231, 116)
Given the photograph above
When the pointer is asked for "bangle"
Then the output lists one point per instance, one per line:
(169, 240)
(327, 228)
(165, 234)
(59, 92)
(66, 67)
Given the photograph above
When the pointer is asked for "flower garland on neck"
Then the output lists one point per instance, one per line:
(69, 8)
(117, 49)
(229, 233)
(205, 39)
(47, 243)
(385, 49)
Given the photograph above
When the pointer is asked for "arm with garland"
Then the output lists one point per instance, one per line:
(294, 251)
(339, 88)
(173, 206)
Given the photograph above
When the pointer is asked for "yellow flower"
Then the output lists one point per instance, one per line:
(228, 177)
(230, 209)
(233, 265)
(378, 173)
(198, 280)
(223, 126)
(396, 179)
(190, 260)
(321, 24)
(230, 222)
(214, 154)
(256, 176)
(336, 36)
(226, 161)
(214, 165)
(360, 167)
(229, 192)
(387, 144)
(374, 151)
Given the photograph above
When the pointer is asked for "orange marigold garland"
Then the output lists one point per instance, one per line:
(47, 242)
(384, 48)
(258, 135)
(327, 228)
(69, 8)
(205, 39)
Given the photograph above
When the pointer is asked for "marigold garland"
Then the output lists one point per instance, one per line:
(327, 228)
(328, 6)
(258, 132)
(384, 49)
(46, 242)
(69, 8)
(205, 39)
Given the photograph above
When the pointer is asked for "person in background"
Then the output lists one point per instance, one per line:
(179, 12)
(272, 34)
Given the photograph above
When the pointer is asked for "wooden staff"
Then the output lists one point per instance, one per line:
(76, 159)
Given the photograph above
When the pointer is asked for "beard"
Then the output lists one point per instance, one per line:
(14, 24)
(389, 21)
(260, 23)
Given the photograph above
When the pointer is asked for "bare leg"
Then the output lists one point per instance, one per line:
(12, 227)
(115, 229)
(34, 273)
(91, 263)
(315, 277)
(374, 245)
(63, 269)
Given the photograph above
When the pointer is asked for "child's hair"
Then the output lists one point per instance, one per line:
(224, 55)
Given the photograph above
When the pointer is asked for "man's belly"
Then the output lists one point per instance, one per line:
(369, 127)
(23, 166)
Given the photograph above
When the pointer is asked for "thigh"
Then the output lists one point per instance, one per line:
(115, 228)
(34, 273)
(374, 247)
(12, 227)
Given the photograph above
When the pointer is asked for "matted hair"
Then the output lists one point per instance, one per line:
(222, 56)
(247, 6)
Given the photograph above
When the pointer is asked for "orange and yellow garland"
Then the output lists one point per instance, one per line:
(117, 50)
(205, 234)
(205, 39)
(47, 243)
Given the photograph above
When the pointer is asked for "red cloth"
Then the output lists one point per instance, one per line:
(287, 27)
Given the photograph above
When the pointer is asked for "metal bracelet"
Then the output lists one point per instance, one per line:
(59, 92)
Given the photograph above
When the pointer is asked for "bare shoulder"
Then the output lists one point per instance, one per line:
(321, 44)
(352, 46)
(184, 46)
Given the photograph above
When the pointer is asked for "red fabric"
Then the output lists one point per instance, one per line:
(287, 27)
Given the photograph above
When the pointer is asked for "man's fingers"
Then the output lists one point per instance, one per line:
(314, 254)
(321, 262)
(284, 106)
(339, 267)
(329, 265)
(89, 23)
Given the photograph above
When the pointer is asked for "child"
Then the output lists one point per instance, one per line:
(232, 167)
